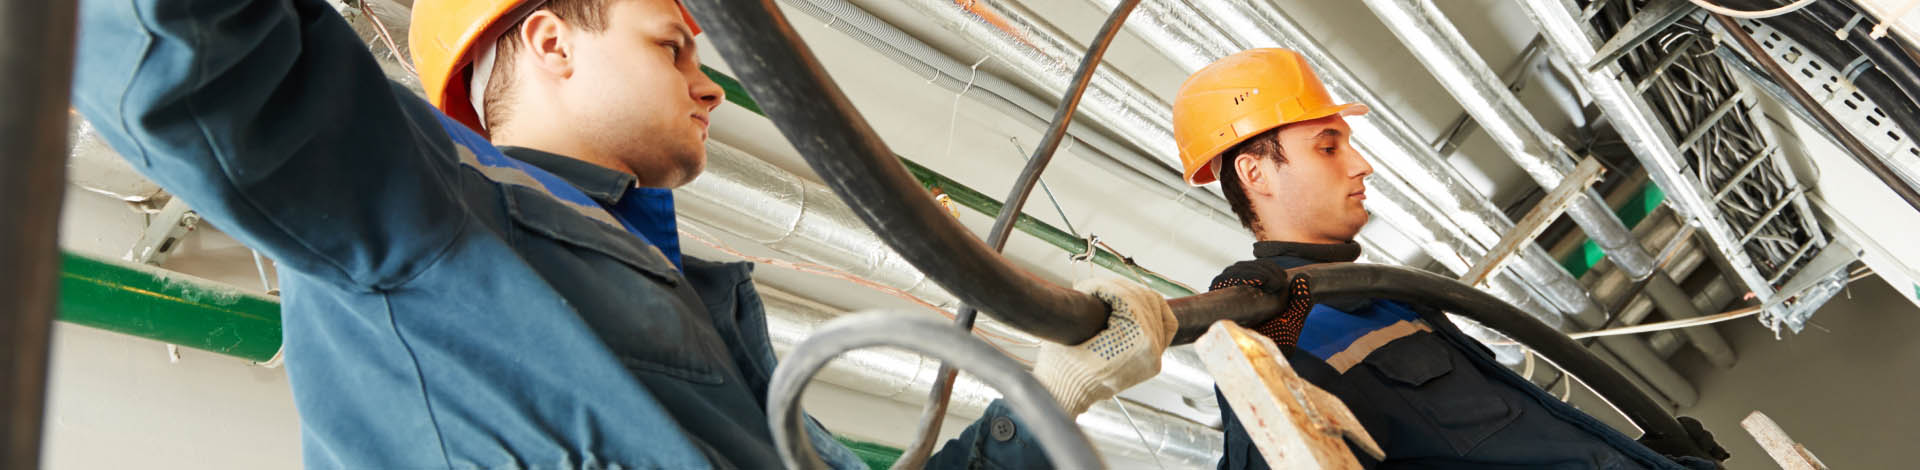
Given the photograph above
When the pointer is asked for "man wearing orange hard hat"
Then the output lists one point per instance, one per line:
(1261, 124)
(489, 278)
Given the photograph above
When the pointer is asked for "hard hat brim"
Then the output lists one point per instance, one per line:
(1211, 172)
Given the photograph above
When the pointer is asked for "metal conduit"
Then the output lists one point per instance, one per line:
(1383, 134)
(1434, 40)
(1559, 21)
(988, 88)
(36, 71)
(816, 117)
(907, 377)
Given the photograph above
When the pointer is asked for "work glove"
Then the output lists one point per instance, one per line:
(1697, 438)
(1269, 277)
(1139, 329)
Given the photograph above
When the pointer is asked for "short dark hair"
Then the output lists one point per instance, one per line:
(588, 15)
(1265, 145)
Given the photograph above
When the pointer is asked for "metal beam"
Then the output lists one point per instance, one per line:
(1651, 20)
(1545, 212)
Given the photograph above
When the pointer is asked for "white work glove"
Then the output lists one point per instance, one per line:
(1123, 355)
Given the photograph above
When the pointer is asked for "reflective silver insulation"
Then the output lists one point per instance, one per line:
(1559, 21)
(1046, 58)
(906, 377)
(749, 198)
(1434, 40)
(987, 88)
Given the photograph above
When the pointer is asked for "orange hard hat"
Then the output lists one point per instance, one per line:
(443, 35)
(1241, 96)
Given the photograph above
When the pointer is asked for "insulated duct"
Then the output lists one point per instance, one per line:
(907, 377)
(742, 195)
(1045, 58)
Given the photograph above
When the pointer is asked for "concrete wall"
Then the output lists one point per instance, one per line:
(1843, 388)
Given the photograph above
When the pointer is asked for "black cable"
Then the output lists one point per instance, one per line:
(1849, 142)
(817, 119)
(36, 73)
(936, 407)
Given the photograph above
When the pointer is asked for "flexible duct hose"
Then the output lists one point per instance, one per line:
(1065, 445)
(817, 118)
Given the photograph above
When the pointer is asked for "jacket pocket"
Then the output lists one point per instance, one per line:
(638, 304)
(1461, 403)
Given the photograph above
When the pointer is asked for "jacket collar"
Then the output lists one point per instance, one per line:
(1314, 252)
(605, 186)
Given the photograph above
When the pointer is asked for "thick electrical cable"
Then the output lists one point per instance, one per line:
(36, 74)
(1851, 143)
(916, 454)
(1058, 435)
(817, 118)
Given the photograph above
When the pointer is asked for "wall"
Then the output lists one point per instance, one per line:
(1843, 387)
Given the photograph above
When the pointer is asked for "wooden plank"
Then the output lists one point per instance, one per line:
(1294, 424)
(1789, 454)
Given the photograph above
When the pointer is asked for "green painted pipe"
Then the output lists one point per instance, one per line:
(967, 196)
(167, 306)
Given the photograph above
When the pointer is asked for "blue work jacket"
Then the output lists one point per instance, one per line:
(444, 306)
(1431, 396)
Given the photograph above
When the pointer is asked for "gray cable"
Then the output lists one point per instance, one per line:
(1065, 445)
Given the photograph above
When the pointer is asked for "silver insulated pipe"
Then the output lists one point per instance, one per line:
(1120, 429)
(1046, 59)
(741, 195)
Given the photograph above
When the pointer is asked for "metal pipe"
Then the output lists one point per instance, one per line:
(36, 72)
(1559, 21)
(1064, 444)
(906, 378)
(1434, 40)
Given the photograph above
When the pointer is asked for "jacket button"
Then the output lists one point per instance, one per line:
(1002, 428)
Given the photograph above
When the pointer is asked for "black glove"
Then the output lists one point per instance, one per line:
(1697, 440)
(1270, 278)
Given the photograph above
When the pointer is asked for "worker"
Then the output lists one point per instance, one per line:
(1262, 124)
(453, 304)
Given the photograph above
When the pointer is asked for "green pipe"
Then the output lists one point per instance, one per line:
(972, 199)
(167, 306)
